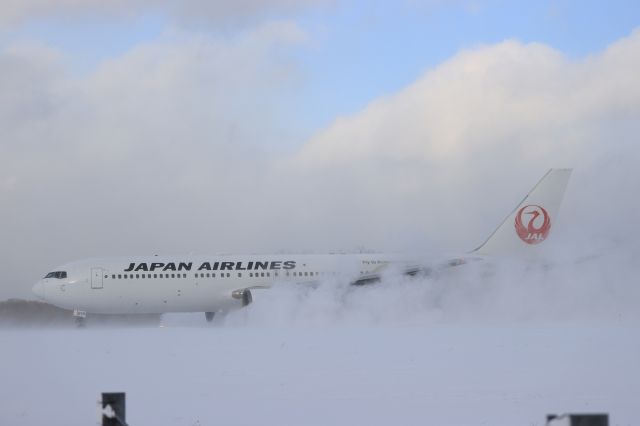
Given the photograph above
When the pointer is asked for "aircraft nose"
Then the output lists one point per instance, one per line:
(38, 289)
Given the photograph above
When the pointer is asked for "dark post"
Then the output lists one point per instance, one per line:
(581, 419)
(115, 416)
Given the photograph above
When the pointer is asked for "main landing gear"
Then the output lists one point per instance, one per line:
(80, 318)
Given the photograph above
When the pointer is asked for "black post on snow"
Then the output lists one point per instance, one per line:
(116, 415)
(581, 419)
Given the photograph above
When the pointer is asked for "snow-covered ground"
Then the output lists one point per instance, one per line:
(437, 375)
(500, 347)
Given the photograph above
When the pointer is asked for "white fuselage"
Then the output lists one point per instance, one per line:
(159, 284)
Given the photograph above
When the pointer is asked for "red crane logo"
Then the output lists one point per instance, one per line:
(532, 224)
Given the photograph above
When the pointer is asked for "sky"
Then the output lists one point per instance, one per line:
(145, 127)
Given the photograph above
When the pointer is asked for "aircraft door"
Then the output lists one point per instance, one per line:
(96, 277)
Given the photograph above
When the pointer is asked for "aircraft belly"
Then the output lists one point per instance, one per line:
(154, 296)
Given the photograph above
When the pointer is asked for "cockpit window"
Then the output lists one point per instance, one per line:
(57, 274)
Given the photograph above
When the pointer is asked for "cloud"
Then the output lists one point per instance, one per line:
(205, 12)
(465, 141)
(184, 13)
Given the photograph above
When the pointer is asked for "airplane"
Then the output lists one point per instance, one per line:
(162, 284)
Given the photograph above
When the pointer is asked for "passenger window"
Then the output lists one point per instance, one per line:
(213, 275)
(113, 277)
(137, 276)
(119, 276)
(161, 276)
(239, 274)
(155, 275)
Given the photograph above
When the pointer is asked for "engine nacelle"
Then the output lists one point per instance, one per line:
(243, 295)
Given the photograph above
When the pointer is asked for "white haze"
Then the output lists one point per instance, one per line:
(592, 290)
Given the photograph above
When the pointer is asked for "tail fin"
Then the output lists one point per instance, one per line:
(528, 225)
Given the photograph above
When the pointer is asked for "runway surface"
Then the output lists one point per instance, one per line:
(413, 375)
